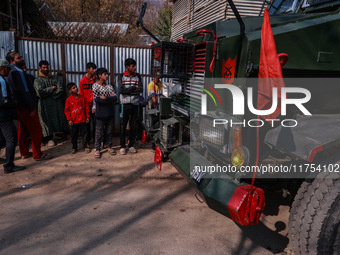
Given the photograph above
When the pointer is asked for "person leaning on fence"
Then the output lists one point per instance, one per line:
(50, 107)
(28, 121)
(7, 115)
(85, 90)
(104, 97)
(130, 87)
(77, 112)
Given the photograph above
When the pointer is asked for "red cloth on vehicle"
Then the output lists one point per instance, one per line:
(270, 72)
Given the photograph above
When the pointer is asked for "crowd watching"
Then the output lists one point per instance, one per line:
(38, 106)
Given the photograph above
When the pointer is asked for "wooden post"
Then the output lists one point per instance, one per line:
(63, 62)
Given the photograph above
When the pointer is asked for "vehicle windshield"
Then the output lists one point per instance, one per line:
(284, 6)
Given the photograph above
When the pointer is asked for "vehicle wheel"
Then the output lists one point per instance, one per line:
(314, 220)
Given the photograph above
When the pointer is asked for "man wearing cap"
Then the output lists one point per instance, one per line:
(7, 115)
(28, 121)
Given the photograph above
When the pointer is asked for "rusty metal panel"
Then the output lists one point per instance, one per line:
(7, 43)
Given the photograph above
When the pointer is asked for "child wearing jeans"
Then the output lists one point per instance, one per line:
(77, 113)
(104, 97)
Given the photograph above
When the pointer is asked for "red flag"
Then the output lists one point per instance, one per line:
(270, 72)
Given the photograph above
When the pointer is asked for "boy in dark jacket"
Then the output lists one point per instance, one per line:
(77, 113)
(104, 97)
(130, 87)
(7, 115)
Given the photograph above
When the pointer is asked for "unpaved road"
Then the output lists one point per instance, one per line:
(119, 205)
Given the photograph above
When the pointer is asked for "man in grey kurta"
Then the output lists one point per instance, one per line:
(50, 107)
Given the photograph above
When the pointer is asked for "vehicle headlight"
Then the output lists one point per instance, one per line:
(240, 156)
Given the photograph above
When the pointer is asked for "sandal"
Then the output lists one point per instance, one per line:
(45, 156)
(112, 151)
(27, 156)
(97, 154)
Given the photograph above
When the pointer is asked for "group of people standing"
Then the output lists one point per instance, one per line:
(39, 107)
(19, 100)
(95, 104)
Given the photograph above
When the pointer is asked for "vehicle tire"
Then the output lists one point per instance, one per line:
(314, 222)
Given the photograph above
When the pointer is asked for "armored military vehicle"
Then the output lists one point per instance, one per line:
(210, 132)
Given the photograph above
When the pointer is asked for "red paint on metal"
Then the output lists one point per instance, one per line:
(246, 205)
(180, 40)
(203, 32)
(144, 137)
(158, 158)
(314, 152)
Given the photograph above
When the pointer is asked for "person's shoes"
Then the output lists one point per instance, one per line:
(51, 143)
(87, 150)
(73, 151)
(104, 146)
(132, 150)
(122, 151)
(15, 169)
(112, 151)
(45, 156)
(68, 137)
(97, 154)
(27, 156)
(2, 161)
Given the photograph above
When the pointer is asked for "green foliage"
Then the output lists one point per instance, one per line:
(162, 27)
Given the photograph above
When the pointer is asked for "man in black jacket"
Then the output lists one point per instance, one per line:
(28, 121)
(130, 87)
(7, 115)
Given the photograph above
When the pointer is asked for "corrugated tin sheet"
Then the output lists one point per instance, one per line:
(77, 29)
(204, 12)
(77, 55)
(34, 51)
(7, 43)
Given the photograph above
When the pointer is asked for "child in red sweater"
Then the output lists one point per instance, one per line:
(77, 113)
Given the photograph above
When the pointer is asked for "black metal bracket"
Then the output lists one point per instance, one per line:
(140, 21)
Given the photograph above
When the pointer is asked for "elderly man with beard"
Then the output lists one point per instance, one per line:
(28, 121)
(50, 107)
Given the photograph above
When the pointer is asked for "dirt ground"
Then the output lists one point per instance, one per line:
(120, 205)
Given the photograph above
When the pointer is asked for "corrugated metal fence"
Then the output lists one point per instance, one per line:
(7, 43)
(192, 14)
(68, 60)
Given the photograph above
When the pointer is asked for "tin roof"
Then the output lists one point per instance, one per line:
(80, 29)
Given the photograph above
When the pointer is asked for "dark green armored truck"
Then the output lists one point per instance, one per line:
(210, 132)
